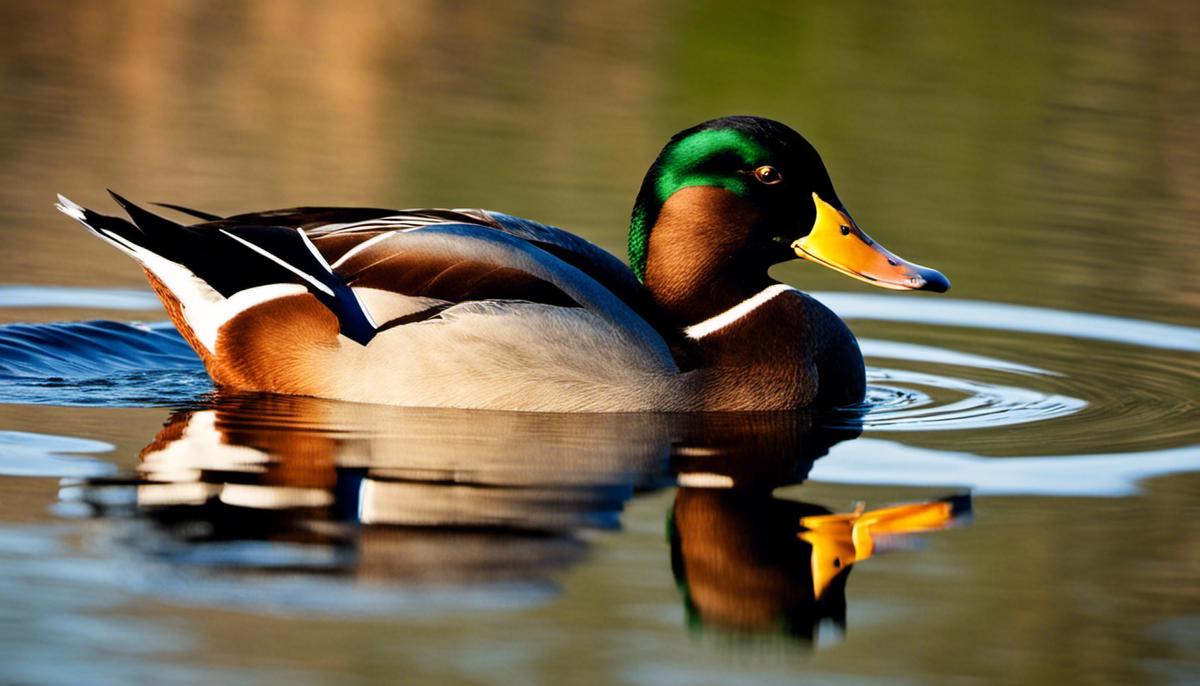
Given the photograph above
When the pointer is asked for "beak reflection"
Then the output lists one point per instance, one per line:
(754, 563)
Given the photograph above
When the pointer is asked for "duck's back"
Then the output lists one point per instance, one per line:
(460, 308)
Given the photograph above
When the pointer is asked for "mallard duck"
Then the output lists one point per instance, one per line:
(479, 309)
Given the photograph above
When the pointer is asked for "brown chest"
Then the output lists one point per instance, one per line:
(788, 351)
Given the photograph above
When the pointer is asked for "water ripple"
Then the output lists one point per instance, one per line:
(1060, 370)
(100, 363)
(977, 314)
(1107, 382)
(78, 297)
(981, 405)
(31, 454)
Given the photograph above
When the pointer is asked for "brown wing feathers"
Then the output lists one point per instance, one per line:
(472, 261)
(423, 273)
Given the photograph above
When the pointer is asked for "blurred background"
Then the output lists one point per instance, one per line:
(1038, 153)
(1042, 153)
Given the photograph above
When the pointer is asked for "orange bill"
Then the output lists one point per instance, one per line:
(833, 549)
(840, 540)
(835, 241)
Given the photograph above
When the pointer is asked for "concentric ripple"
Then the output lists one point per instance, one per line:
(979, 405)
(1090, 383)
(906, 400)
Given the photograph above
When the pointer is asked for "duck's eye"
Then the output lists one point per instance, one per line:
(768, 175)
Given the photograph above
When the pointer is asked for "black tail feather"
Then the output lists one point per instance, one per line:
(112, 229)
(151, 224)
(263, 255)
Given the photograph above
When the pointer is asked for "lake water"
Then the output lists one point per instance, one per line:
(1044, 412)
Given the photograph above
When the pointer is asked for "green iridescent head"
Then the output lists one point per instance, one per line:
(785, 206)
(737, 154)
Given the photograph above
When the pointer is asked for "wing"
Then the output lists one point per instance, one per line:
(463, 262)
(336, 230)
(375, 269)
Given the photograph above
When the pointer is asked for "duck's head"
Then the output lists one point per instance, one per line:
(730, 197)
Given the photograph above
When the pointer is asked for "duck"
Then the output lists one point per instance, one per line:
(477, 309)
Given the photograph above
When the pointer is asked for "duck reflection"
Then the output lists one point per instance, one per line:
(441, 496)
(449, 497)
(748, 562)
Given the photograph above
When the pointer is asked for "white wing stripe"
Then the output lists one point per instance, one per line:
(363, 308)
(307, 277)
(313, 249)
(361, 247)
(381, 223)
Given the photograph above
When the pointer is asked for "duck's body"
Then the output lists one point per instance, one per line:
(475, 309)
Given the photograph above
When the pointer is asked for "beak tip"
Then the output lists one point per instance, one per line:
(934, 281)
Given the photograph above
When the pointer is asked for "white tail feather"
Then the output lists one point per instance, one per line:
(71, 209)
(204, 309)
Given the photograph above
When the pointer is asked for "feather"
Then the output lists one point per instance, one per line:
(291, 250)
(383, 271)
(151, 224)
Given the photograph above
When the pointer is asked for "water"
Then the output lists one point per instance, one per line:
(1045, 158)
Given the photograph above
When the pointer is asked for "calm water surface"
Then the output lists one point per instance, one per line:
(1042, 416)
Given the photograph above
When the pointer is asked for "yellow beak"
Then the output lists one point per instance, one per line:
(840, 540)
(836, 242)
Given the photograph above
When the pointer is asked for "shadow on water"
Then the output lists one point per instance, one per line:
(292, 494)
